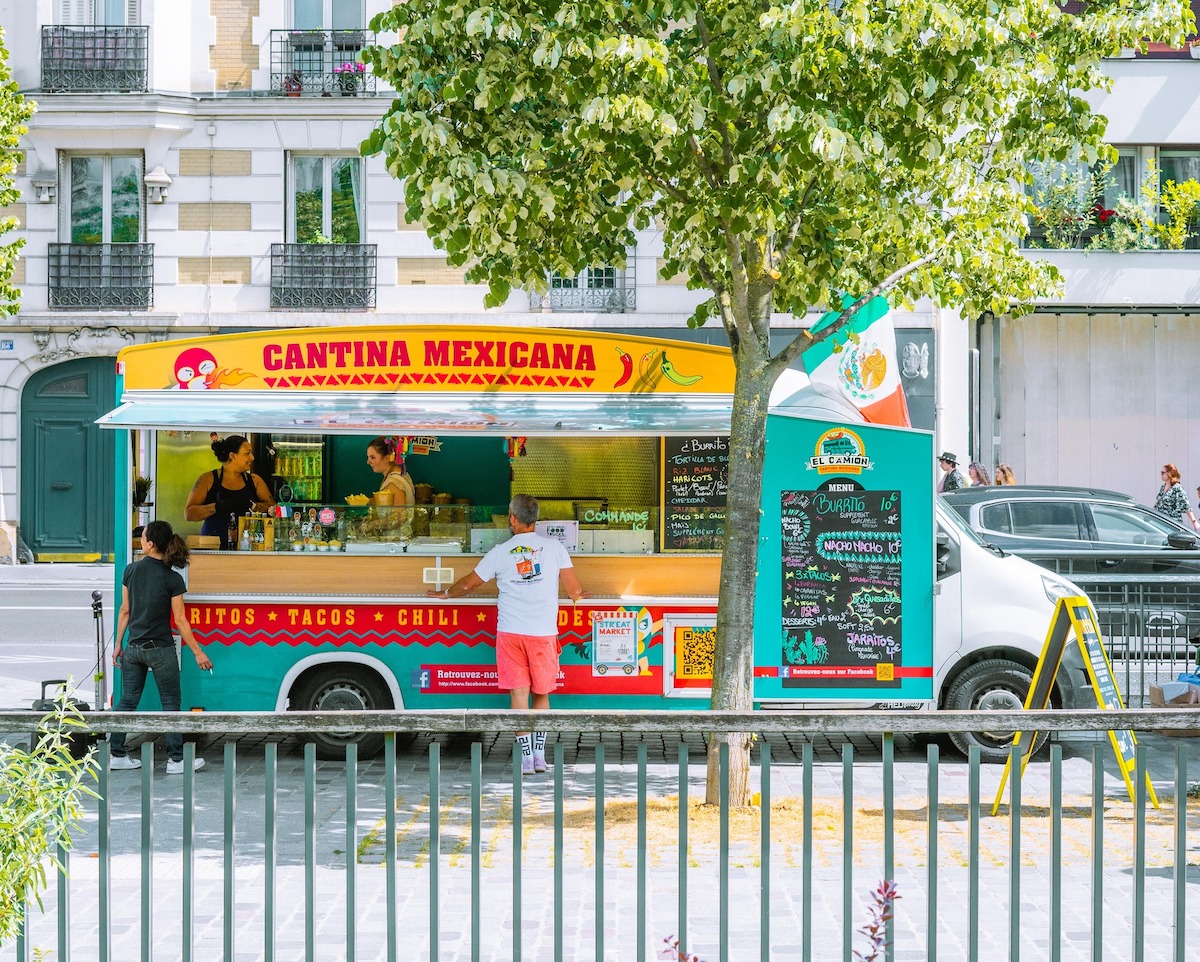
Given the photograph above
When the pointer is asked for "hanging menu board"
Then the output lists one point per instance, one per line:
(841, 587)
(694, 489)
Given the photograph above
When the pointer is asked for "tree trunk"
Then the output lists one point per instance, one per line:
(733, 675)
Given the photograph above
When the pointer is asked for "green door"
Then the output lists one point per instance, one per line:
(67, 462)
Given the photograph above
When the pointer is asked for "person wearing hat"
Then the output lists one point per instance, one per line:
(951, 478)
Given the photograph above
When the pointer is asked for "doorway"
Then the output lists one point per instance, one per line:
(67, 462)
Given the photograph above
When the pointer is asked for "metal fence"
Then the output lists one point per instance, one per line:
(85, 59)
(1150, 622)
(323, 277)
(442, 851)
(102, 276)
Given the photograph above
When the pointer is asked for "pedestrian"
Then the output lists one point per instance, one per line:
(1004, 474)
(978, 474)
(151, 593)
(1171, 501)
(951, 478)
(527, 569)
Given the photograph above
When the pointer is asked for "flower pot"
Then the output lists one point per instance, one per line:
(349, 91)
(1194, 50)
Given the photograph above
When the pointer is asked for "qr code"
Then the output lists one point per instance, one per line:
(697, 649)
(885, 671)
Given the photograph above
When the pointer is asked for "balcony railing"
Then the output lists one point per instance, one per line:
(319, 63)
(95, 59)
(102, 276)
(595, 289)
(323, 277)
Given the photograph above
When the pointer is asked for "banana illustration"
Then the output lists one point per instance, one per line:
(650, 369)
(685, 379)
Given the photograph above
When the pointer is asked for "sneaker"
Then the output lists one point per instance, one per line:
(176, 768)
(539, 762)
(124, 762)
(527, 765)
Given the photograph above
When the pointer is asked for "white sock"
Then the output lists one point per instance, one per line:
(526, 743)
(539, 743)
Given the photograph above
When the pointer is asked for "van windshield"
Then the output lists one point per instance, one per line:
(948, 516)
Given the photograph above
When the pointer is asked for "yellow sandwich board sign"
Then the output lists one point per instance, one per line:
(1074, 620)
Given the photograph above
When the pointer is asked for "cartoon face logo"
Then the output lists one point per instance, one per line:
(194, 369)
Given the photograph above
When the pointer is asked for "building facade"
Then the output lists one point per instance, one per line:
(193, 169)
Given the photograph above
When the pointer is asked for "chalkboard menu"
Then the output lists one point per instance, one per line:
(841, 621)
(695, 487)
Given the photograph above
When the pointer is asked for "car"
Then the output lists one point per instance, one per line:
(1139, 568)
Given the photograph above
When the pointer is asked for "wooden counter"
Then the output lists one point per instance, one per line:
(279, 573)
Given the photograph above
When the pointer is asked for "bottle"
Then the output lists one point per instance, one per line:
(244, 545)
(231, 534)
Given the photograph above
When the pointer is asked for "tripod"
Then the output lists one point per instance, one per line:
(101, 676)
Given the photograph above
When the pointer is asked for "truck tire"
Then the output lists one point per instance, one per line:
(995, 684)
(342, 688)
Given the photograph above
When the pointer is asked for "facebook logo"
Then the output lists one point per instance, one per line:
(422, 679)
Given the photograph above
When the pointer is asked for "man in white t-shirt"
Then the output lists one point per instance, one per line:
(527, 569)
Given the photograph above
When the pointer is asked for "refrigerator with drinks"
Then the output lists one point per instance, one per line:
(297, 461)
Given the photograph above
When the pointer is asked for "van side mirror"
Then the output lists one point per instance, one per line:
(1182, 540)
(943, 551)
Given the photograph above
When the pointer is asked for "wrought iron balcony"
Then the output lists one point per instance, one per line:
(319, 63)
(323, 277)
(604, 289)
(95, 59)
(102, 276)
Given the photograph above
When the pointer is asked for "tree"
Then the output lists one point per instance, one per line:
(40, 794)
(790, 153)
(15, 112)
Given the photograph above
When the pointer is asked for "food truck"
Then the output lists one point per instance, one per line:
(624, 441)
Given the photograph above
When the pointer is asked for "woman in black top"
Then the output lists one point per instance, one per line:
(230, 489)
(151, 594)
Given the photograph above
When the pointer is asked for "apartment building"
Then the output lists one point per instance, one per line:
(193, 169)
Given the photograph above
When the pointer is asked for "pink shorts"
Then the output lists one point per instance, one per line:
(527, 661)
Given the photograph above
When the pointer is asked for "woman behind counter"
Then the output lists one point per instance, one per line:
(395, 521)
(231, 489)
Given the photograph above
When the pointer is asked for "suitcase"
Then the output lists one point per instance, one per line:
(78, 742)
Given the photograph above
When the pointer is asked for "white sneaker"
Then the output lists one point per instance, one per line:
(126, 762)
(176, 768)
(539, 762)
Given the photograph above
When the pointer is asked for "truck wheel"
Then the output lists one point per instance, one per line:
(990, 686)
(342, 688)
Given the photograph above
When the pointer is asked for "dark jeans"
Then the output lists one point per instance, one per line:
(136, 660)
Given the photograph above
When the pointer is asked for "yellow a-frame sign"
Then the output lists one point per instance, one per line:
(1074, 619)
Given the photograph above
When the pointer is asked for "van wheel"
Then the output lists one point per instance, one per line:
(342, 688)
(991, 685)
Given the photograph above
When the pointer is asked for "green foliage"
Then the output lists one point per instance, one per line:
(788, 151)
(15, 112)
(1129, 228)
(1181, 204)
(40, 804)
(806, 652)
(1069, 203)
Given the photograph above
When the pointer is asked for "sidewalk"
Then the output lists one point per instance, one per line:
(97, 574)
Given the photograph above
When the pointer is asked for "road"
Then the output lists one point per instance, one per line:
(47, 629)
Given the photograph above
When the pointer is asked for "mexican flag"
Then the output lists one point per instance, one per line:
(863, 370)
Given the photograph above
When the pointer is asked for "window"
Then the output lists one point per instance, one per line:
(1178, 165)
(1118, 525)
(112, 13)
(1045, 519)
(327, 14)
(104, 199)
(994, 517)
(326, 200)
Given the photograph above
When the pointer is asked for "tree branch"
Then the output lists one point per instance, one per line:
(805, 340)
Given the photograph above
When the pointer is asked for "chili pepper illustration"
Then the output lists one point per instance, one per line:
(649, 369)
(626, 368)
(669, 370)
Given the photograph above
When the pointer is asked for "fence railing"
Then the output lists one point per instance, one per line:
(277, 856)
(323, 277)
(95, 59)
(102, 276)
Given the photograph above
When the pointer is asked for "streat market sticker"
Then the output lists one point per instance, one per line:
(839, 451)
(614, 642)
